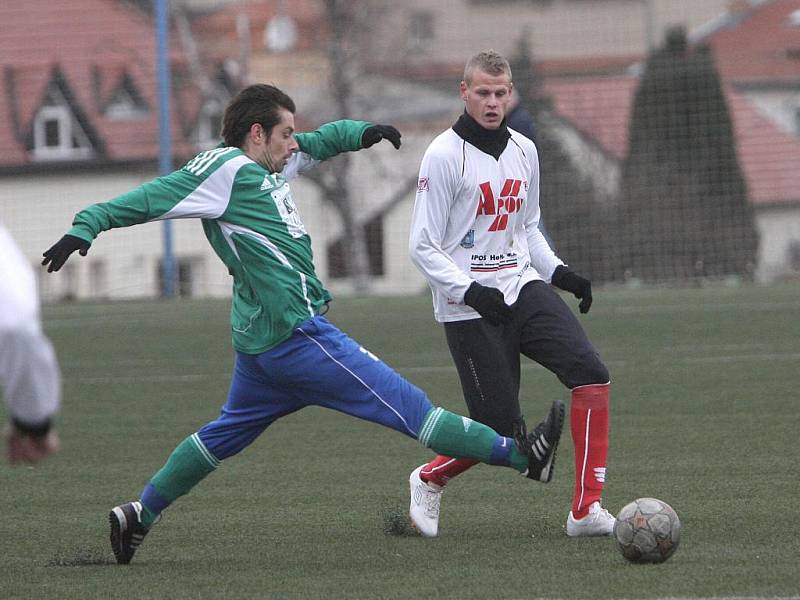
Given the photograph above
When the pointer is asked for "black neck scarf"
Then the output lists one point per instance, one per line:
(490, 141)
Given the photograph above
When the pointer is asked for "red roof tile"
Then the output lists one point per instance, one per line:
(762, 46)
(599, 108)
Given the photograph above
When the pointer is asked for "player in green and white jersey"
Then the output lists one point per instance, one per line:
(288, 356)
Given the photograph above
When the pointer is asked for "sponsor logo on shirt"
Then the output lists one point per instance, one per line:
(508, 202)
(422, 184)
(489, 263)
(282, 197)
(469, 240)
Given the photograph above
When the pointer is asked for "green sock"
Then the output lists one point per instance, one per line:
(460, 437)
(188, 464)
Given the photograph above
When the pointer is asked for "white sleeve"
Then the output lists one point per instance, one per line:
(299, 163)
(543, 259)
(29, 373)
(436, 190)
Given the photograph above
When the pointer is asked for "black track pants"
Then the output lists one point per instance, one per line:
(487, 357)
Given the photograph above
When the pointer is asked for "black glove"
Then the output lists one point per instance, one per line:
(572, 282)
(489, 303)
(375, 133)
(57, 255)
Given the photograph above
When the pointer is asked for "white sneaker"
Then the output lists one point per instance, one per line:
(425, 501)
(598, 522)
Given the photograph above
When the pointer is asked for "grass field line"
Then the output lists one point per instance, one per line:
(769, 356)
(167, 377)
(728, 598)
(150, 378)
(705, 307)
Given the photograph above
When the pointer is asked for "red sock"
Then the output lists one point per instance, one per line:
(443, 468)
(589, 424)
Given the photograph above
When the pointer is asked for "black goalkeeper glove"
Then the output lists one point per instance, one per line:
(489, 303)
(572, 282)
(58, 253)
(375, 133)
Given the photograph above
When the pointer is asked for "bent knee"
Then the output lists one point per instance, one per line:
(590, 371)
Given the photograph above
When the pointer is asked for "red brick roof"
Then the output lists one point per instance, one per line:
(597, 107)
(763, 45)
(92, 44)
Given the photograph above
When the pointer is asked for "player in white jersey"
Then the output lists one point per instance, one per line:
(475, 237)
(29, 374)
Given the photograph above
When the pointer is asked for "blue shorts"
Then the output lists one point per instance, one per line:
(319, 365)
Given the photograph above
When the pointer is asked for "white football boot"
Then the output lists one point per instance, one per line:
(425, 501)
(598, 522)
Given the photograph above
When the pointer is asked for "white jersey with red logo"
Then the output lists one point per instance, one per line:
(476, 219)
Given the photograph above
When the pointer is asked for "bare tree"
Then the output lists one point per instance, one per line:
(332, 177)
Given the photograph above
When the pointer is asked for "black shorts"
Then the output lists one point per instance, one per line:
(487, 357)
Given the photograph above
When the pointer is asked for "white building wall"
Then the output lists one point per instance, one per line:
(779, 229)
(38, 210)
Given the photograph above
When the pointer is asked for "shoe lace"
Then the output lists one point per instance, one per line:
(600, 514)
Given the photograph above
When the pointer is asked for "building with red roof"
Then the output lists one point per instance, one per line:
(79, 86)
(757, 52)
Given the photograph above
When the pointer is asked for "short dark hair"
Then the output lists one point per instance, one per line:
(259, 103)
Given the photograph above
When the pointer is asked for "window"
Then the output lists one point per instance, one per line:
(57, 135)
(794, 256)
(183, 280)
(98, 278)
(797, 121)
(420, 30)
(373, 237)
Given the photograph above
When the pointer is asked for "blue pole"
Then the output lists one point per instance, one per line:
(164, 132)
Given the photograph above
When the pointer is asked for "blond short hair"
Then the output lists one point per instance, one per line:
(488, 61)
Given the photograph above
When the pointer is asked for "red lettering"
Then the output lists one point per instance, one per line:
(500, 223)
(507, 188)
(486, 203)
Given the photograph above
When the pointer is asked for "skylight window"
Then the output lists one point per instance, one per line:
(57, 135)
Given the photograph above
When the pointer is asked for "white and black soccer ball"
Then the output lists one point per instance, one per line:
(647, 531)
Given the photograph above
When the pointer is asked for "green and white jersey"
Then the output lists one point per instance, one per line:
(251, 221)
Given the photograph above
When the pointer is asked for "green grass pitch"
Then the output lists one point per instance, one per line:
(704, 416)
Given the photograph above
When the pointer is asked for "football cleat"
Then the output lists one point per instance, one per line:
(426, 499)
(127, 531)
(598, 522)
(542, 443)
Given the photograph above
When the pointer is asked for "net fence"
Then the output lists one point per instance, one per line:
(668, 131)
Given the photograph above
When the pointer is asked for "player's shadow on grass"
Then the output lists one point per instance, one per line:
(82, 558)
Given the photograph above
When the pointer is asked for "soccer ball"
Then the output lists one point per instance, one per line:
(647, 531)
